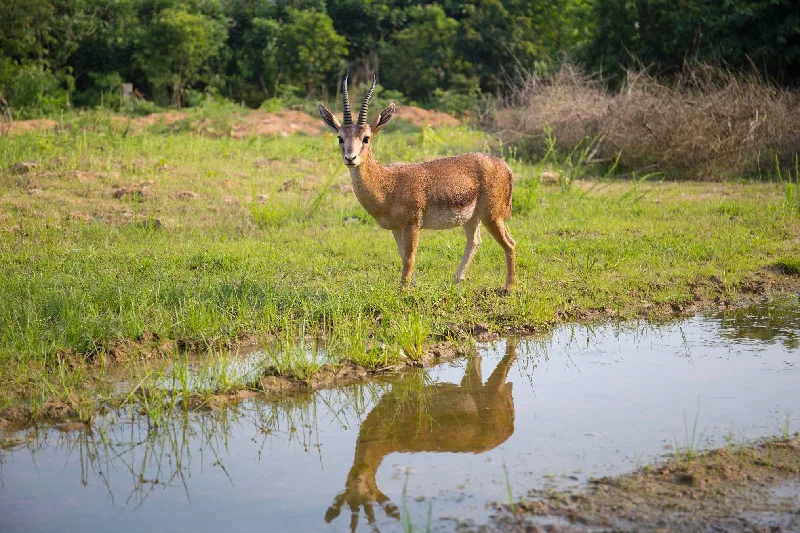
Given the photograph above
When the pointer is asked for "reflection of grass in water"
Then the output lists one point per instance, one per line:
(406, 522)
(162, 455)
(509, 492)
(773, 320)
(408, 399)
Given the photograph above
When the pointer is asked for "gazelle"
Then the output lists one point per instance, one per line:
(472, 417)
(465, 190)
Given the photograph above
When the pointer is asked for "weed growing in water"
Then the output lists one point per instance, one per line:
(786, 426)
(509, 492)
(686, 453)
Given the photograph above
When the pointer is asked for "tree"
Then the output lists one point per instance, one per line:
(310, 49)
(175, 46)
(664, 34)
(425, 47)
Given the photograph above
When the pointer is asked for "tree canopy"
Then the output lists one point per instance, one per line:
(57, 53)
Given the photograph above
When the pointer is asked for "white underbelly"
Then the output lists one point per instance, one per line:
(447, 217)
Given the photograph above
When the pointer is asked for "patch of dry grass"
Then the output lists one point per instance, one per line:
(707, 123)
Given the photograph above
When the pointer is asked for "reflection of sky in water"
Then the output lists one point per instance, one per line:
(588, 402)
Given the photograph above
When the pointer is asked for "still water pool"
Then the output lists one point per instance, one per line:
(434, 446)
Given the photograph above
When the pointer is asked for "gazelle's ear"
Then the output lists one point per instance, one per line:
(384, 117)
(328, 118)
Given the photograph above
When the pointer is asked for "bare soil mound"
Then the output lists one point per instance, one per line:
(425, 117)
(752, 488)
(282, 123)
(21, 126)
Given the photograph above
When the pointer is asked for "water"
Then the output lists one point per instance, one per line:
(552, 411)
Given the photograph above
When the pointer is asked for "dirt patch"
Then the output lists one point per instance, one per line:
(23, 126)
(284, 123)
(183, 195)
(738, 489)
(329, 375)
(141, 191)
(425, 117)
(65, 415)
(148, 345)
(152, 119)
(17, 416)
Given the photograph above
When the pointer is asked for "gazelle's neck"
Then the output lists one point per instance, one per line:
(370, 183)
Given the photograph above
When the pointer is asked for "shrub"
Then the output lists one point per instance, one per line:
(707, 123)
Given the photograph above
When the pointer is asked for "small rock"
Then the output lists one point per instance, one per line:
(11, 442)
(76, 215)
(183, 195)
(72, 426)
(151, 223)
(548, 176)
(481, 332)
(23, 167)
(289, 185)
(246, 394)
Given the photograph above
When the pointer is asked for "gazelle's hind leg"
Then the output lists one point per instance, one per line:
(498, 230)
(472, 229)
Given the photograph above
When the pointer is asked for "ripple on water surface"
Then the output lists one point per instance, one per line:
(554, 410)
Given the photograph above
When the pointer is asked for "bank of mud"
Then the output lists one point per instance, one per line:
(74, 414)
(735, 489)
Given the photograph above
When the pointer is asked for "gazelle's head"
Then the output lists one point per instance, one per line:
(355, 139)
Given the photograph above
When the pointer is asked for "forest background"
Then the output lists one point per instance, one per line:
(56, 55)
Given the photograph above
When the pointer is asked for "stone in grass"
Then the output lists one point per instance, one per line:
(23, 167)
(183, 195)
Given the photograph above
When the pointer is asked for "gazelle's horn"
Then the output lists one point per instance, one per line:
(362, 115)
(348, 116)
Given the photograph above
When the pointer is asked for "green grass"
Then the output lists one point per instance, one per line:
(274, 247)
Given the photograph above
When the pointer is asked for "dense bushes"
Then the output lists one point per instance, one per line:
(248, 50)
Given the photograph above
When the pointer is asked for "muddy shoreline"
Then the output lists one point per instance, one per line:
(737, 489)
(67, 414)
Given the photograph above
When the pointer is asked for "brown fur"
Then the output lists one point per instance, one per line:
(466, 418)
(464, 190)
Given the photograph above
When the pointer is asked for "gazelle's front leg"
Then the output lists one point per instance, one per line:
(410, 240)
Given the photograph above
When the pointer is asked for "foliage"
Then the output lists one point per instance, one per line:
(449, 53)
(311, 49)
(174, 48)
(747, 35)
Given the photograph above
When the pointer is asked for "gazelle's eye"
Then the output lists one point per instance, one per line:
(341, 141)
(366, 140)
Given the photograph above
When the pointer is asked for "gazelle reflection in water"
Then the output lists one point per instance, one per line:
(471, 417)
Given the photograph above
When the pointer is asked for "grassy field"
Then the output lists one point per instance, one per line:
(117, 245)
